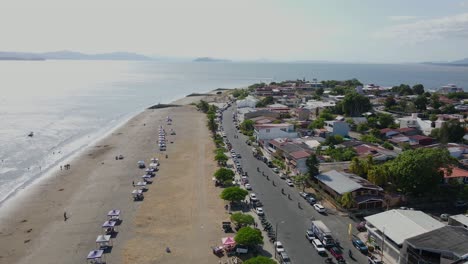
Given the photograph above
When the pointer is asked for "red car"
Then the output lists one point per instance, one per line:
(337, 253)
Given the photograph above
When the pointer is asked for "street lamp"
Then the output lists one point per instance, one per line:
(276, 234)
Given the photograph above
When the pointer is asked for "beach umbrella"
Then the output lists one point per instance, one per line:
(228, 241)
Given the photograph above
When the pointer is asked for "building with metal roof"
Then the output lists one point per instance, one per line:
(391, 228)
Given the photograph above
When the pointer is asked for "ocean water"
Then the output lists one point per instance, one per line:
(68, 104)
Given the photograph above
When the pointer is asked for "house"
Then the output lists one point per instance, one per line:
(458, 220)
(377, 153)
(336, 127)
(408, 131)
(450, 88)
(262, 112)
(317, 106)
(271, 131)
(447, 244)
(457, 150)
(389, 132)
(413, 121)
(366, 195)
(296, 161)
(458, 174)
(389, 230)
(420, 140)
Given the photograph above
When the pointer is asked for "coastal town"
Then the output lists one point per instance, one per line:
(338, 171)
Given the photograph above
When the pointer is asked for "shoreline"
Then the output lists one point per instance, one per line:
(94, 136)
(31, 222)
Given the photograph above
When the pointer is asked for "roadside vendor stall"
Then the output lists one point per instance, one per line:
(137, 195)
(109, 227)
(114, 215)
(103, 241)
(95, 257)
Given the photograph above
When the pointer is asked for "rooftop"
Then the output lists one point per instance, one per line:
(272, 125)
(343, 182)
(453, 239)
(399, 225)
(299, 154)
(456, 173)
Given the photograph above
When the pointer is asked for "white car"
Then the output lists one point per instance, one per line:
(279, 247)
(319, 208)
(253, 197)
(259, 211)
(248, 186)
(275, 170)
(319, 246)
(289, 183)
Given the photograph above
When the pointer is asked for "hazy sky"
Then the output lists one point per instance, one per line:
(336, 30)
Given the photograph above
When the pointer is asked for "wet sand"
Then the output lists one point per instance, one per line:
(181, 210)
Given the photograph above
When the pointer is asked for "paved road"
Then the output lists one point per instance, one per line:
(292, 221)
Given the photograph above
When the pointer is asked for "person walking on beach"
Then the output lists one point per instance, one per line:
(61, 167)
(133, 183)
(65, 216)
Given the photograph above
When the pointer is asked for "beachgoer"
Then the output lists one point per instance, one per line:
(61, 167)
(65, 216)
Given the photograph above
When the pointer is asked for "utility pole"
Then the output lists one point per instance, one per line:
(383, 243)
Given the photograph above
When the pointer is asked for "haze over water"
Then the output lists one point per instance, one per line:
(68, 104)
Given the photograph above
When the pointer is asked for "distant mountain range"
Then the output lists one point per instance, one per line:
(71, 55)
(462, 62)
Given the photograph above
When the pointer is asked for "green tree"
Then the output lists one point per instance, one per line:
(389, 102)
(378, 175)
(224, 175)
(418, 89)
(260, 260)
(362, 127)
(249, 237)
(357, 167)
(247, 127)
(421, 102)
(317, 123)
(387, 145)
(319, 91)
(435, 101)
(385, 120)
(355, 104)
(451, 131)
(327, 115)
(419, 171)
(266, 101)
(347, 200)
(301, 180)
(312, 164)
(233, 194)
(221, 158)
(241, 220)
(333, 140)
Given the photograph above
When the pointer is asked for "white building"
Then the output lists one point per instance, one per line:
(450, 88)
(249, 101)
(390, 229)
(336, 127)
(271, 131)
(414, 121)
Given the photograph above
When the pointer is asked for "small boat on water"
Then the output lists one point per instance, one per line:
(31, 134)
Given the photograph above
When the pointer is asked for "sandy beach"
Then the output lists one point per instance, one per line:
(181, 209)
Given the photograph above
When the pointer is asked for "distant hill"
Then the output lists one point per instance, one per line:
(463, 61)
(71, 55)
(208, 59)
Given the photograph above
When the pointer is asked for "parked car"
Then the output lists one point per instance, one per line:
(275, 170)
(319, 247)
(304, 195)
(259, 211)
(253, 197)
(239, 156)
(357, 243)
(282, 175)
(444, 217)
(289, 183)
(309, 234)
(248, 186)
(279, 246)
(311, 200)
(337, 253)
(319, 208)
(284, 258)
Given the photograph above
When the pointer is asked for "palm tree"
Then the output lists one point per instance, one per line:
(347, 200)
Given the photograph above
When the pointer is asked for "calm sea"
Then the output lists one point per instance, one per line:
(68, 104)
